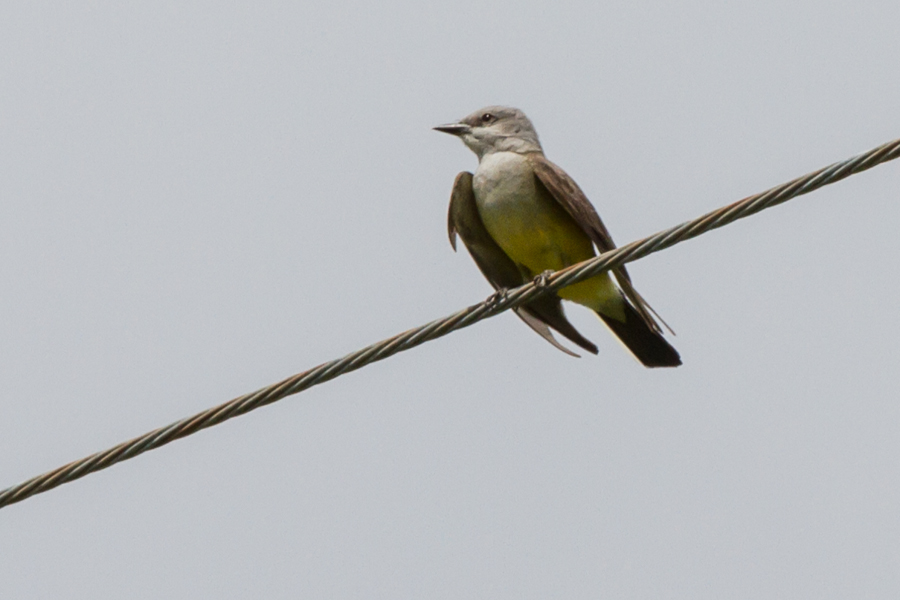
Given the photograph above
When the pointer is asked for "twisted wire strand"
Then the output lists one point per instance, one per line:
(441, 327)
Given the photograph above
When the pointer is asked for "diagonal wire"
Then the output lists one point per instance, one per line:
(414, 337)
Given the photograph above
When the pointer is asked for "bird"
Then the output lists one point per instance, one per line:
(521, 216)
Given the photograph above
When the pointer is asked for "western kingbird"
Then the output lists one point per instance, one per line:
(520, 215)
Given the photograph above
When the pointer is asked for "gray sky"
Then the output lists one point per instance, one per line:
(197, 200)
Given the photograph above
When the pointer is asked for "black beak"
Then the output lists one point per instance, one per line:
(454, 128)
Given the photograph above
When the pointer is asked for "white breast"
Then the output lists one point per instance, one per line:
(503, 177)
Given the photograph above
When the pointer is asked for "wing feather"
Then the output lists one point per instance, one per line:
(567, 193)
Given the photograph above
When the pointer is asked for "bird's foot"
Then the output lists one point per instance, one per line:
(543, 280)
(496, 298)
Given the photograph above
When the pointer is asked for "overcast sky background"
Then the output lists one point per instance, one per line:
(199, 199)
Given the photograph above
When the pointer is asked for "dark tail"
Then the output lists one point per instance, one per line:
(647, 345)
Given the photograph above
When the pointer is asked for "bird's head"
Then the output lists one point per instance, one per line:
(495, 129)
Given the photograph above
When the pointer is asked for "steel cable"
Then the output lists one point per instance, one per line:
(414, 337)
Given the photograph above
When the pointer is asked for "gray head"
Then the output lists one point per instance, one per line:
(495, 129)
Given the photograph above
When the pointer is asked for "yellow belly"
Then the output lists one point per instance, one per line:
(553, 245)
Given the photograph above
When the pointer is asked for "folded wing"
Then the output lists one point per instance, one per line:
(567, 193)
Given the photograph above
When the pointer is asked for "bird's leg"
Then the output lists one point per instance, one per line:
(496, 298)
(543, 280)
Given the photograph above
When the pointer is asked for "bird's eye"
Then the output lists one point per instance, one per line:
(487, 118)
